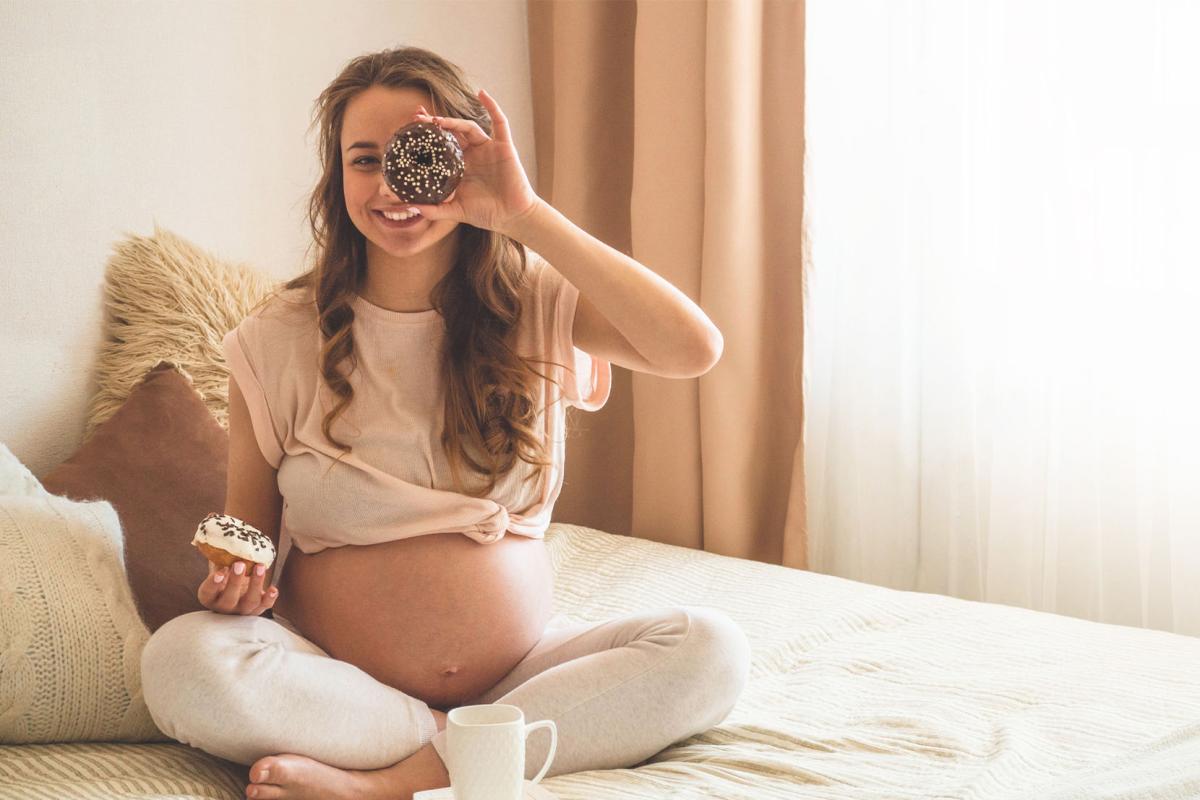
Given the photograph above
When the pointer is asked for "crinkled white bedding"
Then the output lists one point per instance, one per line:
(856, 691)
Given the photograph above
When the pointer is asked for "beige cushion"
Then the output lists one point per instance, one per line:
(168, 300)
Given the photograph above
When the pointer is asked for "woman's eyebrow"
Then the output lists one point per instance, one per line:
(368, 145)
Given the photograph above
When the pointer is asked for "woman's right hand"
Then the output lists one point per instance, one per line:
(226, 592)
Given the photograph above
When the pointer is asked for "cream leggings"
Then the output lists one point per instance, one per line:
(619, 691)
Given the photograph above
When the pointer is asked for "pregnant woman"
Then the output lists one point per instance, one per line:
(397, 427)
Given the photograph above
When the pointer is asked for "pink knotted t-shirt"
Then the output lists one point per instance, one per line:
(396, 482)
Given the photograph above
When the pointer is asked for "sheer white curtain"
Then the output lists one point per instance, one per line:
(1002, 346)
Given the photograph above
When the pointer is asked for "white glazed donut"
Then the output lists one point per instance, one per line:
(225, 540)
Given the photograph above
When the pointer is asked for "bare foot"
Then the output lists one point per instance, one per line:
(293, 776)
(297, 777)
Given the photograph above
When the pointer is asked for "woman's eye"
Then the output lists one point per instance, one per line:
(364, 158)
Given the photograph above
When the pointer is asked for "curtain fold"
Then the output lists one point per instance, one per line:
(674, 132)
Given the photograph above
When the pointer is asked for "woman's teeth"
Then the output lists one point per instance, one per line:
(400, 216)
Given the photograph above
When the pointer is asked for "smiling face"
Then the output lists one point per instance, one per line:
(372, 116)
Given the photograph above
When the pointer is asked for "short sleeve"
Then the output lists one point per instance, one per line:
(242, 356)
(588, 386)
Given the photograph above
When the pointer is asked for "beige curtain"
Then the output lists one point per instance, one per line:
(673, 131)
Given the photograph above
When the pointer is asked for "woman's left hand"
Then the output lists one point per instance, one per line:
(494, 191)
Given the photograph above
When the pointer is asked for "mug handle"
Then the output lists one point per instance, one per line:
(544, 723)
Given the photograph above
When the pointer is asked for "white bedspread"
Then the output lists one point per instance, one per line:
(856, 691)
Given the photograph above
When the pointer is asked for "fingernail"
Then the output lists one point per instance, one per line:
(218, 577)
(262, 775)
(260, 569)
(239, 568)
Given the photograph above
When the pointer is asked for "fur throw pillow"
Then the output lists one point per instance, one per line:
(168, 300)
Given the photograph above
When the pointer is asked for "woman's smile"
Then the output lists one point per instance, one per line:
(389, 224)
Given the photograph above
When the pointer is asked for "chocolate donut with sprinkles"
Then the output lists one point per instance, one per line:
(224, 540)
(423, 164)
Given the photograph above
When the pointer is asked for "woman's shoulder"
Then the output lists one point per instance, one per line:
(281, 316)
(534, 262)
(284, 306)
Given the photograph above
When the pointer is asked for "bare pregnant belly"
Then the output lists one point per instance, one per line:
(439, 617)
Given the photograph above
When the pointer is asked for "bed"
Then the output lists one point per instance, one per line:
(856, 691)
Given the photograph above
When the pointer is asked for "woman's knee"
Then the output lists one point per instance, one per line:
(718, 652)
(190, 642)
(185, 664)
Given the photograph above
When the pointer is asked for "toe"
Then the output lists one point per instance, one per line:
(264, 791)
(262, 771)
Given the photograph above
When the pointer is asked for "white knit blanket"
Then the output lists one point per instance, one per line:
(856, 691)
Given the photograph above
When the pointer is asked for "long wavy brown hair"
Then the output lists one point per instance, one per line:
(491, 393)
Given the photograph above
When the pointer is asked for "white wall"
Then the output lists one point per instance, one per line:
(117, 114)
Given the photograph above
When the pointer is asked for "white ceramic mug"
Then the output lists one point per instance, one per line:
(485, 747)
